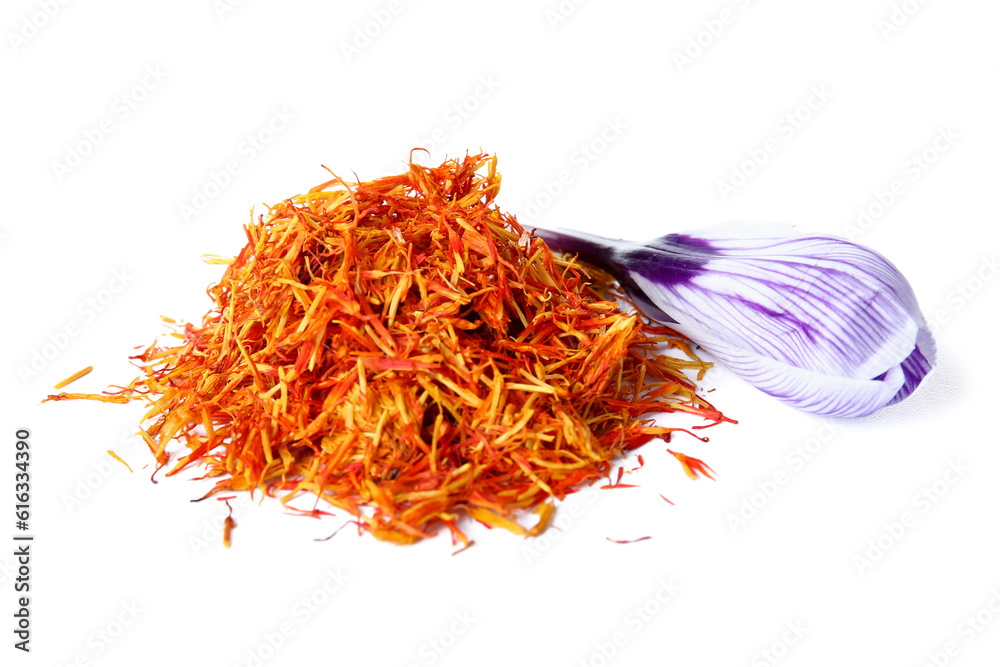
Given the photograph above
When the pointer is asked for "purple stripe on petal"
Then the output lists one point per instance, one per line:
(601, 253)
(915, 367)
(817, 321)
(591, 249)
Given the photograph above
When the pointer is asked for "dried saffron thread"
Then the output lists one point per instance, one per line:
(227, 528)
(406, 352)
(693, 467)
(638, 539)
(73, 378)
(119, 459)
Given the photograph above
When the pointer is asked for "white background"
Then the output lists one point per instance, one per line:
(108, 541)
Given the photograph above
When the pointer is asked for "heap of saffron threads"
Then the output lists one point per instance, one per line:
(406, 352)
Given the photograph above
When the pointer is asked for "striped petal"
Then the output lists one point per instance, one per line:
(818, 322)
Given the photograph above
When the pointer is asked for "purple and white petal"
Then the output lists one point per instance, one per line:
(819, 322)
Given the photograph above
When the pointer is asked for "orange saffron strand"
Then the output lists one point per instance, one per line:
(120, 460)
(73, 378)
(693, 467)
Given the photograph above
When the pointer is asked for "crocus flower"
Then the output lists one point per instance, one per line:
(819, 322)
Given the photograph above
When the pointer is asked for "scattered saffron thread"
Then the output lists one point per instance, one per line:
(227, 528)
(693, 467)
(638, 539)
(73, 378)
(120, 459)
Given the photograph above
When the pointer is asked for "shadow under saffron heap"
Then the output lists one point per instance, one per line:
(406, 352)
